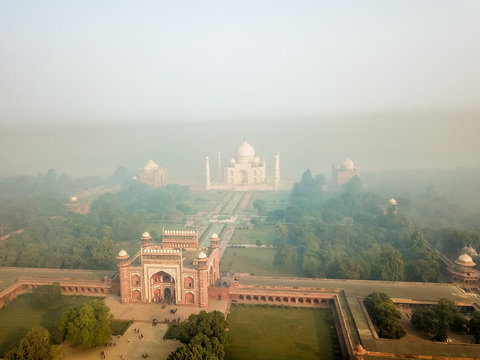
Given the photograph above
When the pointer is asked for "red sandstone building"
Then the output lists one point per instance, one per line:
(177, 271)
(463, 272)
(343, 174)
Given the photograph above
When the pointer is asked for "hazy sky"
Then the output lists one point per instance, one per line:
(130, 61)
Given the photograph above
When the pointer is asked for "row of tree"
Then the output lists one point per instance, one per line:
(438, 319)
(54, 237)
(349, 234)
(384, 315)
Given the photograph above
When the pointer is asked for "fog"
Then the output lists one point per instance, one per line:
(374, 142)
(91, 86)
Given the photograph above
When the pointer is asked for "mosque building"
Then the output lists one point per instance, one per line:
(153, 175)
(178, 271)
(244, 172)
(343, 174)
(463, 271)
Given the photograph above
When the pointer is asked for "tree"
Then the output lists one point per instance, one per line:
(261, 206)
(390, 266)
(103, 254)
(281, 230)
(285, 256)
(203, 336)
(87, 325)
(423, 319)
(436, 320)
(384, 315)
(474, 326)
(34, 346)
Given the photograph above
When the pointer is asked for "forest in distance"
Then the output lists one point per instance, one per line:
(350, 233)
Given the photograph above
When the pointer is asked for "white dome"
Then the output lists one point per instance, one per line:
(469, 250)
(348, 164)
(245, 152)
(202, 255)
(232, 161)
(214, 236)
(151, 165)
(146, 234)
(392, 201)
(122, 253)
(256, 160)
(465, 258)
(73, 199)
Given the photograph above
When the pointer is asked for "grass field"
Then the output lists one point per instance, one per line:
(257, 261)
(275, 200)
(270, 332)
(20, 316)
(205, 201)
(264, 232)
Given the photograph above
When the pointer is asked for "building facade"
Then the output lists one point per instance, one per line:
(178, 271)
(343, 174)
(153, 175)
(244, 172)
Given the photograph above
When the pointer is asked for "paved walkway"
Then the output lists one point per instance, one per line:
(130, 345)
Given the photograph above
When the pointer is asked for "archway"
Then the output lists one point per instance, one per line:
(168, 295)
(136, 296)
(189, 298)
(244, 177)
(162, 288)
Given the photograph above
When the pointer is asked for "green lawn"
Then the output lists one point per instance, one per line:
(258, 261)
(264, 232)
(205, 201)
(272, 332)
(20, 316)
(275, 200)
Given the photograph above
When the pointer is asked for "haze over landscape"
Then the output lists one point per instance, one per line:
(391, 84)
(343, 212)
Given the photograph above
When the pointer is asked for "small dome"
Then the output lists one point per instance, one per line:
(146, 234)
(256, 160)
(245, 152)
(73, 199)
(465, 258)
(202, 255)
(348, 164)
(232, 161)
(392, 201)
(214, 236)
(122, 253)
(469, 250)
(151, 165)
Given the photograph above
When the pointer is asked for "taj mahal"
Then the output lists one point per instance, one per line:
(244, 172)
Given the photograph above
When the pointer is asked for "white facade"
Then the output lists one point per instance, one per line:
(245, 171)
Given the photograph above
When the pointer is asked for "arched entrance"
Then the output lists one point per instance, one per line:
(244, 177)
(162, 288)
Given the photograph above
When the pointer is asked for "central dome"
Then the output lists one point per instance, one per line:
(245, 153)
(348, 164)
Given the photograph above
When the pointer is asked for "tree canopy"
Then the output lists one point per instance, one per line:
(35, 345)
(384, 315)
(87, 325)
(203, 336)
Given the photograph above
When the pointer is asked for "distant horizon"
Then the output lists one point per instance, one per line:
(375, 143)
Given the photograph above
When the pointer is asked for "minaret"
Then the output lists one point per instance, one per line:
(277, 170)
(219, 168)
(207, 178)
